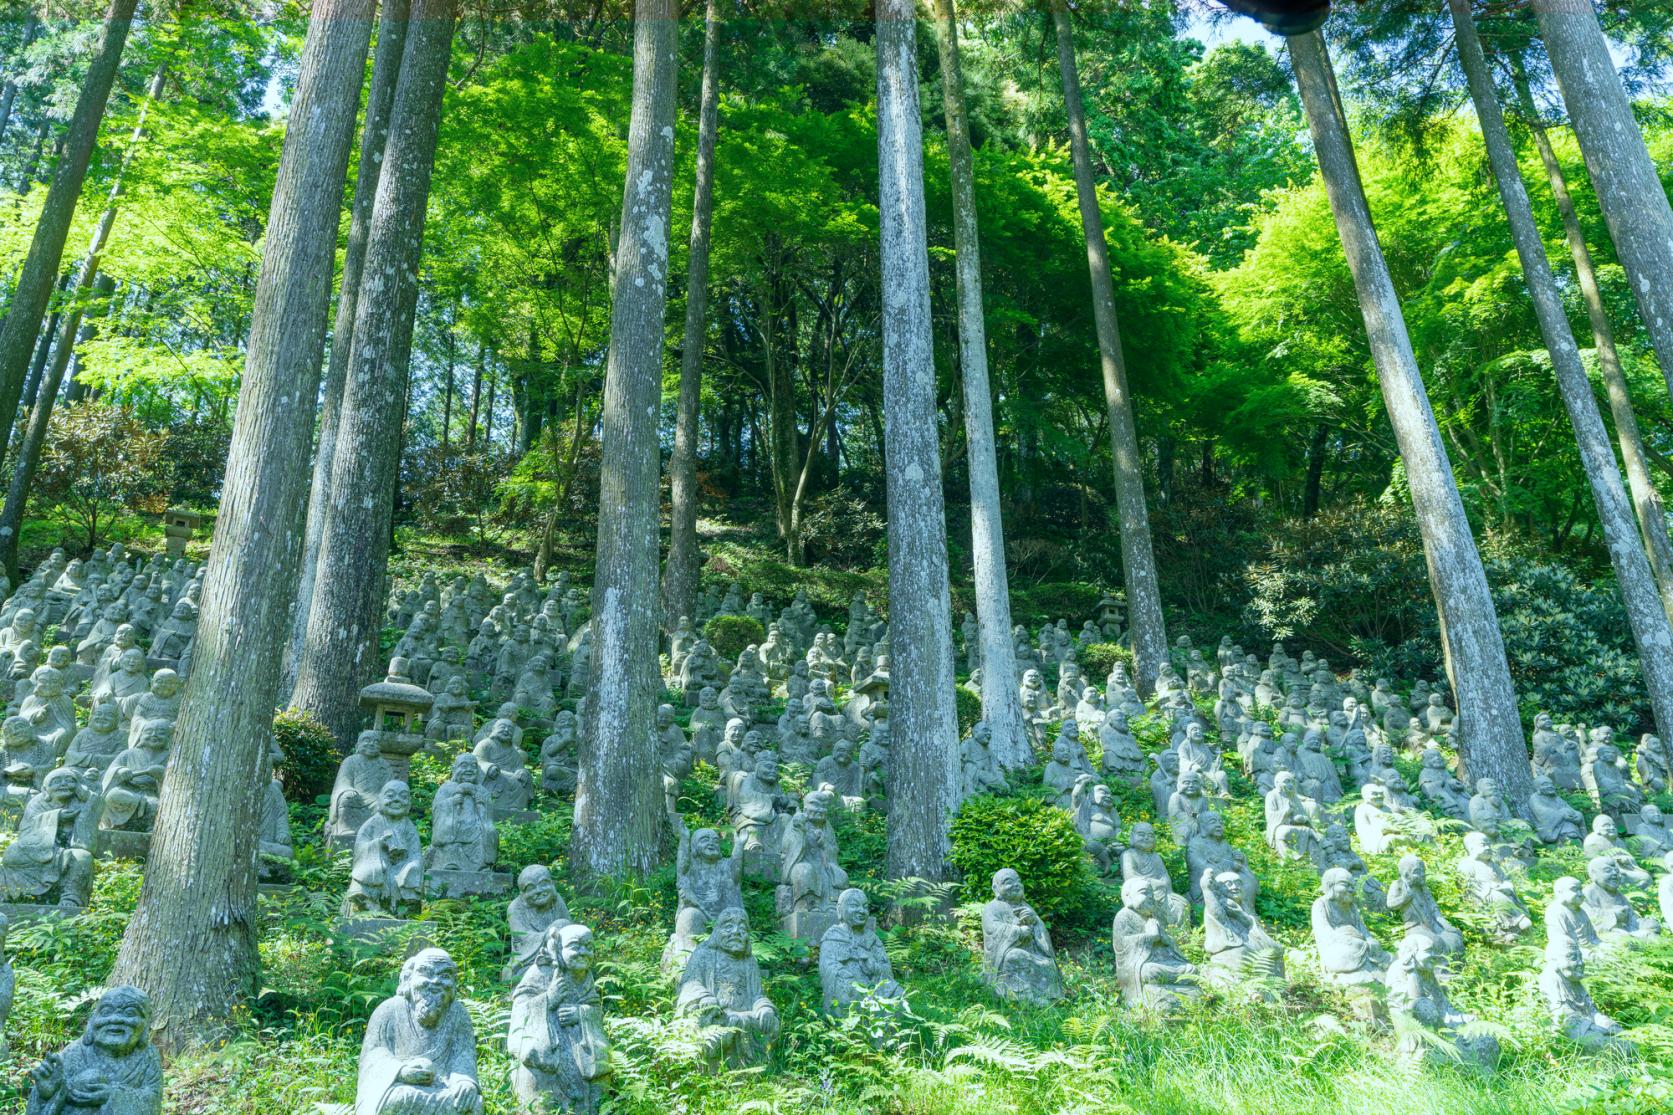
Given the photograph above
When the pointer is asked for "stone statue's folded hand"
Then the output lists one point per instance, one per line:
(461, 1088)
(569, 1015)
(89, 1089)
(418, 1072)
(48, 1076)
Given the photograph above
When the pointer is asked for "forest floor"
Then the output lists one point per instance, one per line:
(962, 1051)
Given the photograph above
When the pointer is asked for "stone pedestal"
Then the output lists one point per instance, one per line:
(122, 844)
(20, 912)
(399, 748)
(466, 884)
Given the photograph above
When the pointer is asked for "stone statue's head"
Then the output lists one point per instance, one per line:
(60, 786)
(58, 657)
(1487, 787)
(1416, 952)
(766, 767)
(705, 844)
(816, 806)
(1475, 843)
(1607, 754)
(1566, 892)
(366, 746)
(1651, 815)
(1101, 796)
(735, 729)
(165, 683)
(155, 735)
(120, 1022)
(395, 801)
(1190, 782)
(24, 620)
(570, 948)
(1135, 894)
(126, 636)
(49, 682)
(1337, 883)
(1604, 872)
(708, 697)
(1142, 836)
(1212, 825)
(852, 908)
(456, 685)
(1284, 782)
(1433, 759)
(731, 932)
(1543, 785)
(429, 981)
(1604, 825)
(132, 661)
(1542, 720)
(465, 770)
(1412, 871)
(664, 716)
(104, 717)
(1007, 885)
(843, 750)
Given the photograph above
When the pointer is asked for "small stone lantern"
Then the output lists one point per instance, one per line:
(178, 527)
(397, 707)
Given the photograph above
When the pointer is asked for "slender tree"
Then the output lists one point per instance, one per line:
(618, 797)
(374, 138)
(1628, 189)
(345, 612)
(1138, 561)
(924, 772)
(191, 944)
(1001, 707)
(680, 576)
(8, 94)
(46, 251)
(1637, 585)
(1490, 730)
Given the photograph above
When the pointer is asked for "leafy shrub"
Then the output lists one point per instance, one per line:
(1097, 660)
(730, 635)
(99, 460)
(1036, 840)
(1074, 601)
(842, 529)
(311, 754)
(969, 708)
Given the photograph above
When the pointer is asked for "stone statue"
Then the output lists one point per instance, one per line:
(1068, 762)
(1566, 921)
(979, 769)
(537, 908)
(759, 814)
(1186, 805)
(1554, 820)
(158, 704)
(1140, 861)
(1654, 763)
(811, 879)
(1240, 952)
(1604, 842)
(853, 966)
(1562, 983)
(273, 843)
(1375, 826)
(1555, 755)
(1122, 757)
(51, 859)
(453, 716)
(1410, 897)
(1420, 1010)
(462, 832)
(1491, 889)
(840, 773)
(1291, 820)
(708, 723)
(708, 884)
(93, 748)
(128, 794)
(1093, 808)
(1652, 837)
(1605, 776)
(1018, 960)
(1610, 912)
(557, 755)
(50, 713)
(556, 1037)
(722, 997)
(419, 1054)
(505, 776)
(1164, 780)
(387, 879)
(1210, 852)
(1349, 956)
(361, 777)
(112, 1069)
(1148, 965)
(27, 758)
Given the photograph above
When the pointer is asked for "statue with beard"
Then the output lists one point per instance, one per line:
(557, 1028)
(419, 1056)
(112, 1069)
(722, 997)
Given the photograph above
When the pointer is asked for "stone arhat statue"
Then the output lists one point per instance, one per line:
(112, 1069)
(419, 1054)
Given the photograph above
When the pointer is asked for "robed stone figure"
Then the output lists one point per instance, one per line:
(419, 1055)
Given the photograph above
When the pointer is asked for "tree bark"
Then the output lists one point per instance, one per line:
(1000, 705)
(1315, 471)
(8, 95)
(1648, 619)
(1490, 731)
(618, 799)
(374, 138)
(191, 944)
(346, 611)
(680, 574)
(924, 771)
(1646, 500)
(447, 385)
(46, 251)
(1628, 189)
(1144, 600)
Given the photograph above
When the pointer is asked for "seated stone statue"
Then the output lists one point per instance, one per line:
(1487, 885)
(49, 711)
(1490, 814)
(1562, 983)
(159, 704)
(112, 1069)
(128, 794)
(50, 861)
(811, 878)
(171, 640)
(1421, 1012)
(557, 755)
(1149, 967)
(1096, 820)
(1315, 772)
(1566, 920)
(1610, 912)
(129, 678)
(1440, 787)
(1291, 820)
(1554, 820)
(853, 966)
(722, 998)
(556, 1036)
(419, 1053)
(1654, 763)
(94, 746)
(979, 770)
(708, 724)
(1186, 805)
(1122, 757)
(361, 777)
(462, 832)
(1375, 826)
(840, 773)
(453, 716)
(1210, 852)
(273, 844)
(387, 879)
(1164, 780)
(1141, 860)
(1241, 954)
(1652, 837)
(1607, 778)
(1556, 756)
(701, 670)
(708, 884)
(759, 815)
(28, 758)
(1605, 842)
(506, 778)
(1018, 960)
(1349, 957)
(1068, 762)
(1410, 897)
(537, 908)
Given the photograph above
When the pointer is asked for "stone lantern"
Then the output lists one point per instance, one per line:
(178, 527)
(397, 707)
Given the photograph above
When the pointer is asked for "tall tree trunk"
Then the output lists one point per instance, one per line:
(1315, 471)
(1628, 189)
(1648, 619)
(346, 610)
(46, 251)
(1000, 705)
(680, 573)
(618, 798)
(476, 394)
(8, 95)
(1138, 561)
(43, 347)
(924, 771)
(29, 455)
(1490, 743)
(191, 944)
(1646, 500)
(374, 138)
(488, 406)
(447, 387)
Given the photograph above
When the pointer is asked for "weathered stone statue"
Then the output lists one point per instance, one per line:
(853, 966)
(1241, 954)
(361, 777)
(840, 773)
(1491, 889)
(979, 769)
(94, 746)
(1421, 1012)
(556, 1036)
(112, 1069)
(1140, 861)
(708, 884)
(759, 815)
(1410, 897)
(1291, 820)
(1349, 957)
(128, 795)
(1566, 921)
(1654, 763)
(1164, 780)
(811, 878)
(1210, 852)
(1149, 966)
(557, 755)
(1098, 823)
(1018, 960)
(453, 716)
(1375, 826)
(1562, 983)
(537, 908)
(463, 837)
(722, 998)
(1068, 762)
(1604, 842)
(51, 714)
(1610, 912)
(1122, 757)
(27, 757)
(273, 844)
(708, 723)
(1606, 776)
(506, 778)
(50, 862)
(1440, 787)
(419, 1054)
(387, 879)
(1554, 820)
(159, 704)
